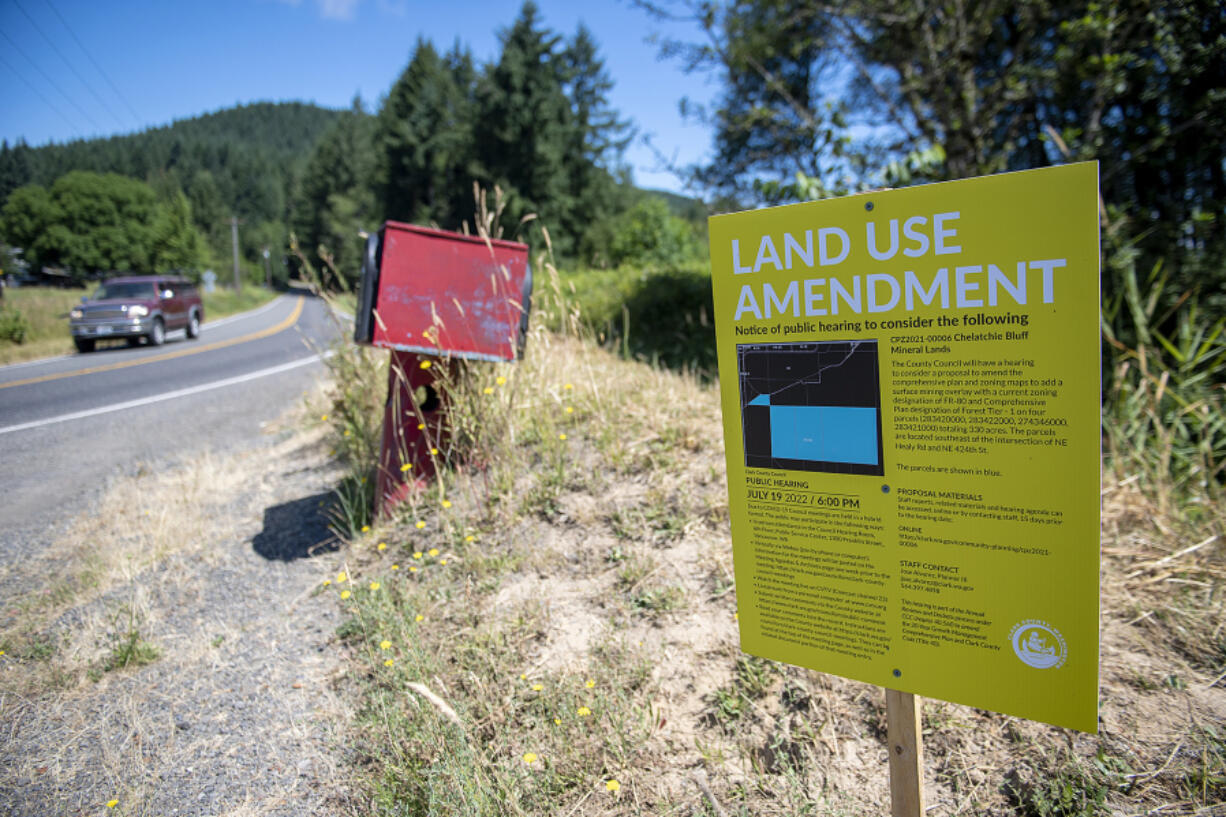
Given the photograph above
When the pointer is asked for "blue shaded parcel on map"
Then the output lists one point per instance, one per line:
(811, 406)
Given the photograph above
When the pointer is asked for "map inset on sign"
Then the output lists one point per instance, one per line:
(811, 406)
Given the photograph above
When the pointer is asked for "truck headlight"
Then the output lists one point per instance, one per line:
(138, 311)
(76, 314)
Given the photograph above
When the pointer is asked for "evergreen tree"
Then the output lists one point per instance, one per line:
(336, 201)
(598, 140)
(176, 245)
(525, 128)
(209, 212)
(16, 168)
(424, 140)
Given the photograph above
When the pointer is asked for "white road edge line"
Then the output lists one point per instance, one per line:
(170, 395)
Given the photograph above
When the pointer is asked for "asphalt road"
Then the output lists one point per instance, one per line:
(70, 423)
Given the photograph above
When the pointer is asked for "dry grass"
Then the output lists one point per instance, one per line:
(45, 311)
(605, 555)
(182, 667)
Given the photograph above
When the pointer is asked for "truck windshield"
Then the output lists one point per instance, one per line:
(130, 290)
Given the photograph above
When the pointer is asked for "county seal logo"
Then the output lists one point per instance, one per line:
(1038, 644)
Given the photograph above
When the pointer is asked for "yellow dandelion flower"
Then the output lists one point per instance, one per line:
(469, 538)
(395, 567)
(341, 577)
(420, 617)
(523, 677)
(365, 528)
(425, 364)
(529, 758)
(1, 652)
(433, 551)
(570, 409)
(569, 386)
(561, 436)
(348, 433)
(412, 568)
(417, 554)
(446, 503)
(736, 616)
(583, 711)
(488, 390)
(385, 644)
(612, 785)
(420, 524)
(537, 687)
(112, 803)
(381, 546)
(421, 426)
(344, 594)
(389, 662)
(557, 721)
(433, 452)
(375, 585)
(327, 582)
(406, 467)
(501, 381)
(590, 683)
(324, 418)
(442, 561)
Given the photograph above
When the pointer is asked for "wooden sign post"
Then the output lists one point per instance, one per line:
(904, 734)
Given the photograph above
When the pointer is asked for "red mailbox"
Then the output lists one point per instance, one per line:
(434, 298)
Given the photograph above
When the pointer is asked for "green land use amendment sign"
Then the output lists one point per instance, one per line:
(911, 387)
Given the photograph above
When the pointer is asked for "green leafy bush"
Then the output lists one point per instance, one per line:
(648, 234)
(664, 316)
(13, 326)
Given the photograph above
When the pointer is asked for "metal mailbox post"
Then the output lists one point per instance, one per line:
(434, 298)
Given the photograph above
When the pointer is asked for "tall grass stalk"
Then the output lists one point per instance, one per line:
(1165, 412)
(354, 416)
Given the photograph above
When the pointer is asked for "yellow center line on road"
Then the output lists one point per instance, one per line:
(194, 350)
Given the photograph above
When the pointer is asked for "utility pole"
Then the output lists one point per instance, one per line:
(267, 270)
(234, 241)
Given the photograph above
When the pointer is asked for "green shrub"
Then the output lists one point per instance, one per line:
(13, 325)
(649, 235)
(1165, 412)
(662, 316)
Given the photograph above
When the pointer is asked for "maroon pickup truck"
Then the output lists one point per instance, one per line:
(137, 307)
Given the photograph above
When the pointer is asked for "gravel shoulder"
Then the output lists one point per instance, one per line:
(171, 651)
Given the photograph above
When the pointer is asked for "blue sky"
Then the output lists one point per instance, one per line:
(162, 61)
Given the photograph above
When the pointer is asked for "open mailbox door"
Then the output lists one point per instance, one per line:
(443, 294)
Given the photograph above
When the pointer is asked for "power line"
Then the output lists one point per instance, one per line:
(98, 67)
(71, 67)
(50, 81)
(39, 94)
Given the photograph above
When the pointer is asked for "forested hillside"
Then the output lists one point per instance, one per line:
(305, 182)
(238, 162)
(263, 135)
